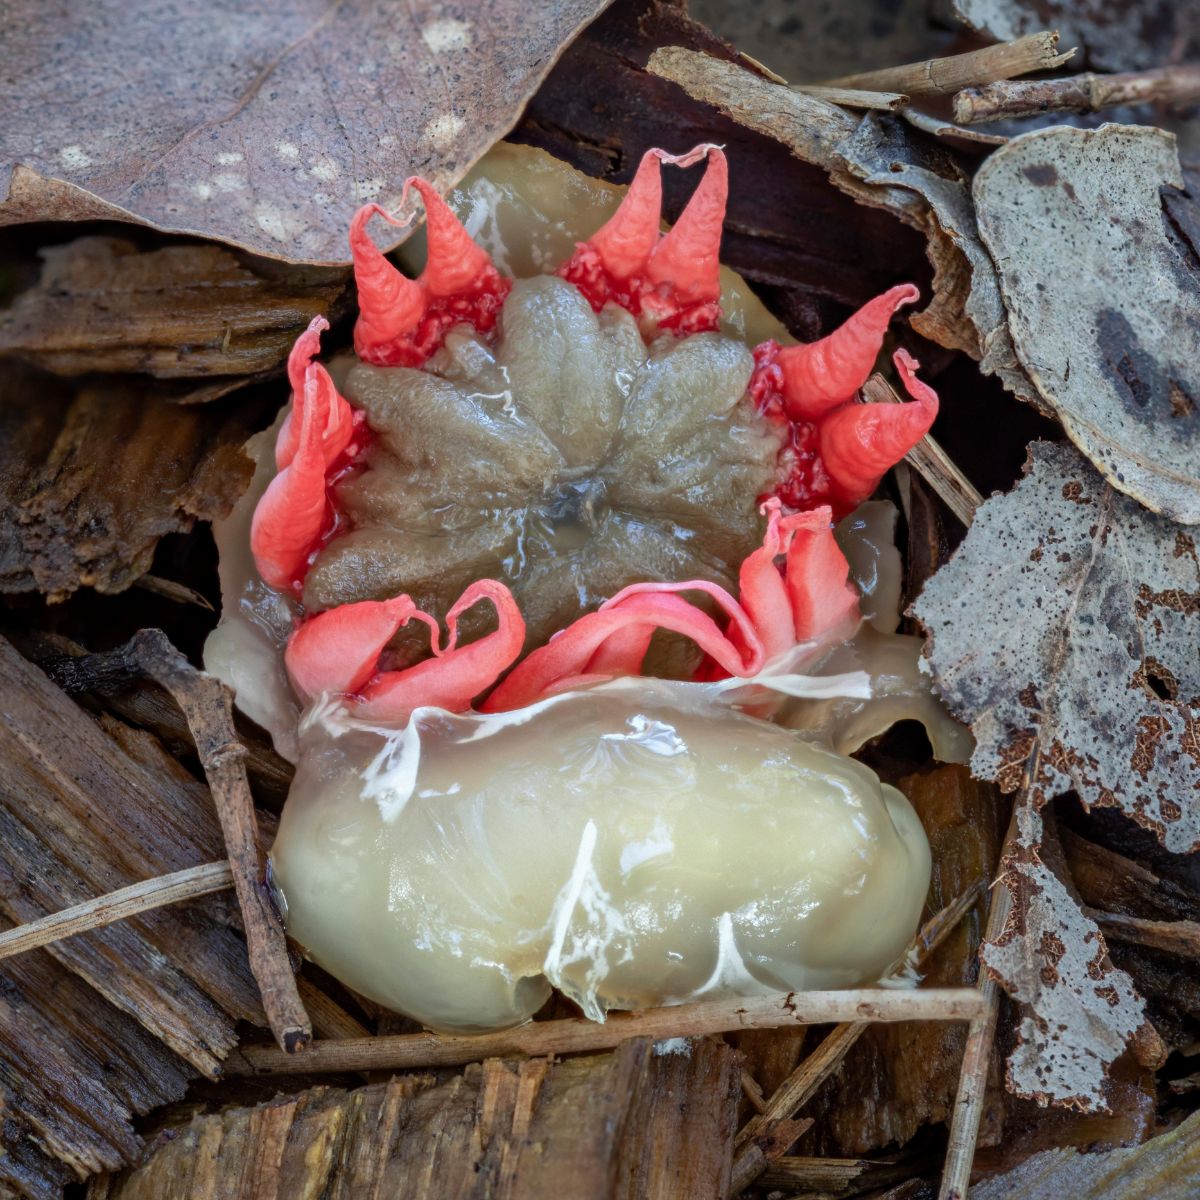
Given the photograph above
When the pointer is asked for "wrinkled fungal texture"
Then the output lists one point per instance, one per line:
(633, 845)
(568, 459)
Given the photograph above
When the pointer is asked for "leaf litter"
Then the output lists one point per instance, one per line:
(1088, 665)
(263, 126)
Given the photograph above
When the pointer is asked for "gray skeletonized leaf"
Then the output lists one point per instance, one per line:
(1103, 298)
(1068, 622)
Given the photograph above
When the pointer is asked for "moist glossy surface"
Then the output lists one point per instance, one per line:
(633, 845)
(568, 460)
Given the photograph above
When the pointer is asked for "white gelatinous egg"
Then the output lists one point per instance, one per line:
(635, 844)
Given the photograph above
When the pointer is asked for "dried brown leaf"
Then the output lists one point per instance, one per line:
(1122, 36)
(1066, 621)
(263, 126)
(1103, 299)
(103, 305)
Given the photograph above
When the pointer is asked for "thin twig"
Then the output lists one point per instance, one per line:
(576, 1034)
(1175, 85)
(205, 701)
(937, 127)
(972, 1079)
(853, 97)
(1173, 937)
(941, 76)
(179, 592)
(751, 1156)
(117, 906)
(931, 462)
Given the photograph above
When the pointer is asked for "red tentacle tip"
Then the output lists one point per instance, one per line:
(834, 447)
(673, 279)
(403, 321)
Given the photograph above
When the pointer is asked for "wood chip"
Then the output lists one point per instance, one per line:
(641, 1121)
(177, 312)
(90, 481)
(112, 1022)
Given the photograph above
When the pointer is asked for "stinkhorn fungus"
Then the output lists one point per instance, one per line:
(567, 652)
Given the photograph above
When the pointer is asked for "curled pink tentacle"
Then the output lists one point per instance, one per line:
(338, 650)
(820, 376)
(403, 321)
(687, 259)
(290, 517)
(817, 577)
(647, 607)
(860, 442)
(761, 589)
(454, 263)
(624, 243)
(459, 673)
(304, 349)
(390, 305)
(674, 277)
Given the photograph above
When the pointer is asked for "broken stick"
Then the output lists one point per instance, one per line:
(205, 701)
(942, 76)
(1078, 93)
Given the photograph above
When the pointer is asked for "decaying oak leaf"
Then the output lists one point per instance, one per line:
(1165, 1167)
(89, 482)
(1125, 36)
(190, 310)
(1082, 1011)
(1067, 622)
(881, 163)
(262, 125)
(1103, 299)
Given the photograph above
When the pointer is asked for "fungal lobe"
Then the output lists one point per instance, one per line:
(631, 845)
(567, 458)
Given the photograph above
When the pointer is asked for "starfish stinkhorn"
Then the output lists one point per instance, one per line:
(569, 473)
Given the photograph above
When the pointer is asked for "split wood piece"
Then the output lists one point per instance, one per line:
(933, 464)
(972, 1081)
(117, 906)
(576, 1034)
(103, 1027)
(1173, 937)
(206, 703)
(833, 1175)
(620, 1126)
(941, 76)
(757, 1143)
(1079, 93)
(182, 311)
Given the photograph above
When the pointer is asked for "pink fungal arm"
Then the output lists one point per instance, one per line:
(402, 321)
(291, 516)
(822, 375)
(317, 439)
(861, 442)
(802, 597)
(674, 277)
